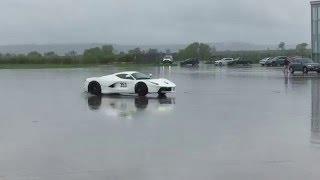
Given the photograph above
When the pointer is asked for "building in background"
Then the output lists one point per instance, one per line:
(315, 30)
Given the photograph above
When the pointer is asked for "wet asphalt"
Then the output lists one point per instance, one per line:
(222, 123)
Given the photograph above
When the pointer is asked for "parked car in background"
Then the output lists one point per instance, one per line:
(303, 64)
(223, 62)
(264, 60)
(190, 62)
(239, 61)
(167, 59)
(210, 61)
(277, 61)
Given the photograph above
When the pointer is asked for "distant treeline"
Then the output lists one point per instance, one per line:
(106, 54)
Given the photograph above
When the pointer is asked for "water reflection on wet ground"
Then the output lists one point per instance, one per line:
(222, 123)
(129, 106)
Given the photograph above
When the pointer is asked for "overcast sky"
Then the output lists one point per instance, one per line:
(154, 22)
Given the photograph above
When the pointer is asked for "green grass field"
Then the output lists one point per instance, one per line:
(51, 66)
(43, 66)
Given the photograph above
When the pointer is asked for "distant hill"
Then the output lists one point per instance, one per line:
(79, 48)
(62, 49)
(241, 46)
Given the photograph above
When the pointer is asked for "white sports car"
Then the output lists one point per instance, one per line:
(130, 82)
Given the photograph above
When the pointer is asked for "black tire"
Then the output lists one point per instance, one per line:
(161, 94)
(94, 88)
(291, 70)
(141, 89)
(220, 63)
(318, 71)
(305, 70)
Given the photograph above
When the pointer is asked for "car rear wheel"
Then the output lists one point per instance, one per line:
(141, 89)
(305, 70)
(94, 88)
(291, 70)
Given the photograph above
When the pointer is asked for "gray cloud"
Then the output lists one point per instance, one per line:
(153, 22)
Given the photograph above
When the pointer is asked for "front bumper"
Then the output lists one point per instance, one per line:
(166, 89)
(313, 68)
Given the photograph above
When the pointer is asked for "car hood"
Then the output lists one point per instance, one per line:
(313, 64)
(163, 82)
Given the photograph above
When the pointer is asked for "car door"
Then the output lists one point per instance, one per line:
(299, 65)
(281, 61)
(224, 61)
(126, 83)
(228, 61)
(295, 65)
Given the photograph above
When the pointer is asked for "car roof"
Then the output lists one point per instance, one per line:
(126, 72)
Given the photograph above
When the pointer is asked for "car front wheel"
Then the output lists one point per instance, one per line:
(305, 70)
(94, 88)
(141, 89)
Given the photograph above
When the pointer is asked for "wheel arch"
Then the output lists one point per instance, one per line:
(140, 82)
(93, 82)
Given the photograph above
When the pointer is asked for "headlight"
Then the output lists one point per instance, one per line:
(155, 83)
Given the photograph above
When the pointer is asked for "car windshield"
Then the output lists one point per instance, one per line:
(140, 76)
(307, 60)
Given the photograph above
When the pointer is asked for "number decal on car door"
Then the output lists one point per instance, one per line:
(123, 84)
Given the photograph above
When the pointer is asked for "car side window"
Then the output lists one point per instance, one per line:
(124, 76)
